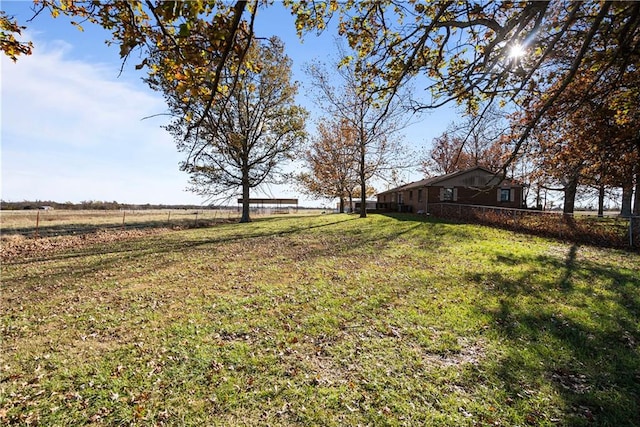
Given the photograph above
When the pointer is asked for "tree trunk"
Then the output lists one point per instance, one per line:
(363, 201)
(636, 199)
(601, 201)
(341, 209)
(570, 196)
(363, 184)
(245, 196)
(627, 194)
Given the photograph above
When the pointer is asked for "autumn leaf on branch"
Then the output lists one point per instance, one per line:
(11, 46)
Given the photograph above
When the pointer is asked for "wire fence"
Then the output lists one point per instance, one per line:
(48, 223)
(58, 222)
(610, 231)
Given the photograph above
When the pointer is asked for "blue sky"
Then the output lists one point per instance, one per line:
(73, 128)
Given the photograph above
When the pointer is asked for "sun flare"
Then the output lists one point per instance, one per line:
(516, 51)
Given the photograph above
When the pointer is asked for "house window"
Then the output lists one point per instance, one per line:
(505, 194)
(410, 195)
(419, 195)
(447, 194)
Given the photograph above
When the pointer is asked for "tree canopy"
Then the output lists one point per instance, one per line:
(463, 51)
(476, 52)
(588, 141)
(331, 160)
(467, 144)
(242, 143)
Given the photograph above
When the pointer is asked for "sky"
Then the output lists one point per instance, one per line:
(75, 128)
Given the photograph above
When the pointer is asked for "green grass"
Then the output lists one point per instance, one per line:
(325, 320)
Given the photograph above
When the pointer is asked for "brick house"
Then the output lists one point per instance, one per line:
(474, 186)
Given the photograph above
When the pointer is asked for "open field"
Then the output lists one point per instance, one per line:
(67, 222)
(70, 222)
(322, 320)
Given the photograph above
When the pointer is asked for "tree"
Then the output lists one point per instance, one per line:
(242, 143)
(466, 51)
(469, 52)
(470, 143)
(332, 161)
(624, 101)
(445, 156)
(493, 52)
(375, 124)
(581, 142)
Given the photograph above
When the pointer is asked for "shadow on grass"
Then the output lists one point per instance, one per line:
(148, 250)
(146, 254)
(412, 217)
(564, 332)
(163, 245)
(438, 226)
(569, 267)
(341, 236)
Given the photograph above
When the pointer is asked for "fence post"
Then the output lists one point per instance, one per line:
(123, 214)
(37, 224)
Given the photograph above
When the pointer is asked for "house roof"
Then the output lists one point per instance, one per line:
(428, 182)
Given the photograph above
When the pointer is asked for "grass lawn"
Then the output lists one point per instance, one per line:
(323, 320)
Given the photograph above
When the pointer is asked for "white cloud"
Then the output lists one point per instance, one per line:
(72, 102)
(72, 131)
